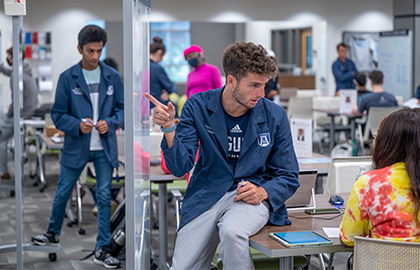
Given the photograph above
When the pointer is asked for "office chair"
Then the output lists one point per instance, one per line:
(378, 254)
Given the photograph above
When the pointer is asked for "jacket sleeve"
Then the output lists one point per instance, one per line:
(165, 82)
(180, 158)
(284, 167)
(5, 71)
(341, 76)
(60, 110)
(116, 120)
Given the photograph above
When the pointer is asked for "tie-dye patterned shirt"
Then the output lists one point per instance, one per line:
(381, 206)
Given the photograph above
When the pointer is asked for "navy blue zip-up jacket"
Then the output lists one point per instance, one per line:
(72, 103)
(267, 157)
(342, 74)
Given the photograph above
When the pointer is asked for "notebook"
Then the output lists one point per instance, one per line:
(303, 195)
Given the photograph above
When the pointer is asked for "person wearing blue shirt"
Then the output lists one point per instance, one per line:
(160, 85)
(89, 108)
(343, 69)
(378, 98)
(246, 169)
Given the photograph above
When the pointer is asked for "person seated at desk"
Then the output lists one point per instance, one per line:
(30, 104)
(271, 88)
(385, 202)
(378, 98)
(246, 169)
(360, 81)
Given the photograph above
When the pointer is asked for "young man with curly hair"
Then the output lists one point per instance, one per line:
(246, 168)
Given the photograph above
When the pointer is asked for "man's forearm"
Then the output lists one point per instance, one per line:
(169, 137)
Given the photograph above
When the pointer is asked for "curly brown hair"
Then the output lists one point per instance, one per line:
(242, 58)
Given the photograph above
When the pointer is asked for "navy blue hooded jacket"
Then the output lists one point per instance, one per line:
(72, 103)
(267, 157)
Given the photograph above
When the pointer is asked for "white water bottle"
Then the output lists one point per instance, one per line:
(361, 171)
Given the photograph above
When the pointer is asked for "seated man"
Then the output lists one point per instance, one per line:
(246, 168)
(378, 98)
(30, 104)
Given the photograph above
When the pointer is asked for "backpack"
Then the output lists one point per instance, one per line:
(117, 243)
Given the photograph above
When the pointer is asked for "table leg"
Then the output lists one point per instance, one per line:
(163, 225)
(39, 156)
(332, 133)
(286, 263)
(353, 132)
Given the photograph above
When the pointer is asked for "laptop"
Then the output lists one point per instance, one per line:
(303, 195)
(287, 92)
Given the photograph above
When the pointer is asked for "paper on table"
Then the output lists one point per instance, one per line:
(332, 232)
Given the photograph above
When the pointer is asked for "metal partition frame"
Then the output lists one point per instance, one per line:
(137, 133)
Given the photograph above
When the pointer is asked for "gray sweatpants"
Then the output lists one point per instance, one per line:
(6, 132)
(228, 222)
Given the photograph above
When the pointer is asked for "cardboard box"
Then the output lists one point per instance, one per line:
(50, 130)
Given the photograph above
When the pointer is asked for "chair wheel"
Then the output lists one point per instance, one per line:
(82, 231)
(52, 257)
(12, 193)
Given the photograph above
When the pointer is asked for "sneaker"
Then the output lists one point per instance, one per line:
(102, 257)
(46, 238)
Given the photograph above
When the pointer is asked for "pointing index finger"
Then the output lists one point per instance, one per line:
(153, 99)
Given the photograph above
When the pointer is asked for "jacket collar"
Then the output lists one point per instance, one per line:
(103, 85)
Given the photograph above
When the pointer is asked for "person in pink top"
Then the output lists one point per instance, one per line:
(203, 76)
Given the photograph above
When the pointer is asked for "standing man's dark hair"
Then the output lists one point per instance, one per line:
(377, 77)
(88, 108)
(341, 45)
(91, 33)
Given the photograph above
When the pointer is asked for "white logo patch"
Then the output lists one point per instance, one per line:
(77, 91)
(110, 90)
(264, 139)
(236, 129)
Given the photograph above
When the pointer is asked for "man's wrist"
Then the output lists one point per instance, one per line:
(168, 129)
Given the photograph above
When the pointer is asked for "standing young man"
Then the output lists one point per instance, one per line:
(344, 69)
(246, 168)
(89, 108)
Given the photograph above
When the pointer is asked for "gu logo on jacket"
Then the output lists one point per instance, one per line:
(264, 139)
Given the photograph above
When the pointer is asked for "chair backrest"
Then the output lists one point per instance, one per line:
(332, 103)
(300, 108)
(342, 173)
(287, 92)
(400, 100)
(378, 254)
(374, 118)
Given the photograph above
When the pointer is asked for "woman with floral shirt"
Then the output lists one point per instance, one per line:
(384, 203)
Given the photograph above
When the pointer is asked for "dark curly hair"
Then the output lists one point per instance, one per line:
(91, 33)
(242, 58)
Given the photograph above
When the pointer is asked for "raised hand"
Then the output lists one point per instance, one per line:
(162, 115)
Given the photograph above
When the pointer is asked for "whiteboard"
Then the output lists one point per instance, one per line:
(396, 62)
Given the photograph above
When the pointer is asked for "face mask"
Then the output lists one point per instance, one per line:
(8, 61)
(193, 62)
